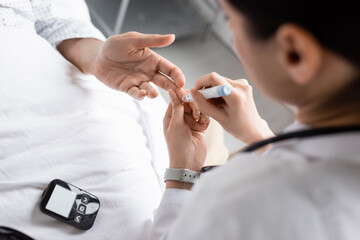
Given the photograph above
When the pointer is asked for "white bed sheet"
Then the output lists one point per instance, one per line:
(58, 123)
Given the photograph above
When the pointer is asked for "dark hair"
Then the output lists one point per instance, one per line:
(334, 24)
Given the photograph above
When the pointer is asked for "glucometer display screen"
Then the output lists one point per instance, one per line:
(61, 201)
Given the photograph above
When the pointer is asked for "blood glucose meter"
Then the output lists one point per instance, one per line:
(70, 204)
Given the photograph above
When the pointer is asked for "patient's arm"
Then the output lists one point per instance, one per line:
(81, 52)
(125, 62)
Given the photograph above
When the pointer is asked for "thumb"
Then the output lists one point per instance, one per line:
(154, 40)
(177, 109)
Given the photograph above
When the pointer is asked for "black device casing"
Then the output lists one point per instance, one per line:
(87, 219)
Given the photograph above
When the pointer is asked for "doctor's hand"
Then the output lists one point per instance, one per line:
(236, 112)
(184, 136)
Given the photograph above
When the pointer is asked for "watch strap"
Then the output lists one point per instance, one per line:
(181, 175)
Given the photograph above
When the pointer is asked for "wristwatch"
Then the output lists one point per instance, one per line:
(181, 175)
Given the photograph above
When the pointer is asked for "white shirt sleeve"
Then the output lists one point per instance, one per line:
(58, 20)
(170, 207)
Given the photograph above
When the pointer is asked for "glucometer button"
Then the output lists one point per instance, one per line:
(85, 199)
(77, 218)
(82, 208)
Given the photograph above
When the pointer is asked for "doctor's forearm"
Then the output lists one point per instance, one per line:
(81, 52)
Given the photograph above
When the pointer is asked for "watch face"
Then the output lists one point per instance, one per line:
(70, 204)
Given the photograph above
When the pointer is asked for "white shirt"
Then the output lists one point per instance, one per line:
(54, 20)
(299, 189)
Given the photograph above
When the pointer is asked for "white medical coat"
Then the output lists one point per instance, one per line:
(299, 189)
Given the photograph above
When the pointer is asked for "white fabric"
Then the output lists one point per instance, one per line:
(57, 123)
(54, 20)
(299, 189)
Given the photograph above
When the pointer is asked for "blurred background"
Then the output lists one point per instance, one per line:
(202, 45)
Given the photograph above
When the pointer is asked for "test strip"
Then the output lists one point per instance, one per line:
(166, 76)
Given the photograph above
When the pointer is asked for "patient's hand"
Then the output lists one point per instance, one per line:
(197, 121)
(125, 62)
(185, 136)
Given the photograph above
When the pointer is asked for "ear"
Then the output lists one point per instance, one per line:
(300, 53)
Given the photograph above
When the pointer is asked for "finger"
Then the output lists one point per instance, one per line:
(194, 110)
(237, 82)
(132, 81)
(200, 125)
(206, 107)
(214, 79)
(190, 106)
(204, 119)
(181, 92)
(136, 93)
(163, 82)
(172, 71)
(242, 81)
(167, 117)
(189, 109)
(240, 84)
(210, 80)
(193, 124)
(177, 109)
(152, 40)
(150, 91)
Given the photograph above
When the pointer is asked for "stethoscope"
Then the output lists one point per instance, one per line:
(295, 135)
